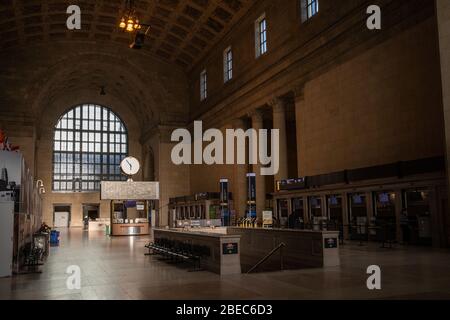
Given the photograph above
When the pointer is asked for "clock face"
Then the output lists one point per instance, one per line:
(130, 166)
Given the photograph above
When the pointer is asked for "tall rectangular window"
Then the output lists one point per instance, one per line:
(203, 85)
(309, 8)
(261, 35)
(227, 64)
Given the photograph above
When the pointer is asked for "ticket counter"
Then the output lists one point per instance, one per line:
(283, 213)
(297, 217)
(130, 218)
(201, 209)
(357, 216)
(416, 221)
(385, 222)
(316, 217)
(334, 211)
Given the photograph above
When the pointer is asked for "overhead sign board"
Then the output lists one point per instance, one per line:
(129, 190)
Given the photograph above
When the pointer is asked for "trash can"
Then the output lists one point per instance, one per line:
(107, 229)
(54, 238)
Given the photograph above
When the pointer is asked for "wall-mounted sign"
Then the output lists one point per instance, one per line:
(230, 248)
(195, 223)
(330, 243)
(223, 192)
(130, 204)
(267, 219)
(225, 211)
(251, 195)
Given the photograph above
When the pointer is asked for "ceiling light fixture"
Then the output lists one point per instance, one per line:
(129, 21)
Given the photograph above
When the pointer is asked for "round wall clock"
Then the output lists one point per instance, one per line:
(130, 166)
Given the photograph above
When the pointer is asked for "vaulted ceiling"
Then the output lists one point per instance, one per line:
(181, 31)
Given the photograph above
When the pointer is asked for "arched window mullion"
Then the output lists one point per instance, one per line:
(81, 165)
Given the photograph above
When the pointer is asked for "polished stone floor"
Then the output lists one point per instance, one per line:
(116, 268)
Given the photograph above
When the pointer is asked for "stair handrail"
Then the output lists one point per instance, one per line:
(271, 253)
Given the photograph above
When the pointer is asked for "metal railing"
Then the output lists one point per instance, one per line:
(270, 254)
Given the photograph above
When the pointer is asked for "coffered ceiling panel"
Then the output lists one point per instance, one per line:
(181, 31)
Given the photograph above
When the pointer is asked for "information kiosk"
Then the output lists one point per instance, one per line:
(129, 201)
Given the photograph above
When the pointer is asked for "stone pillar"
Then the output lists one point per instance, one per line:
(443, 19)
(305, 210)
(345, 211)
(279, 122)
(257, 124)
(148, 170)
(299, 110)
(398, 213)
(173, 179)
(240, 178)
(370, 205)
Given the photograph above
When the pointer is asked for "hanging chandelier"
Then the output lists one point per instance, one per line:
(129, 21)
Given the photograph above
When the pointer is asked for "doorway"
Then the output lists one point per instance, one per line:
(91, 212)
(61, 216)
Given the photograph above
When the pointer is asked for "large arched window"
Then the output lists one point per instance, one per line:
(90, 142)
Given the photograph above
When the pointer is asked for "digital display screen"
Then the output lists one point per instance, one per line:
(383, 197)
(333, 201)
(130, 204)
(357, 199)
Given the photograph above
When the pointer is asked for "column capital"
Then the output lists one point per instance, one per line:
(256, 115)
(238, 123)
(299, 92)
(278, 104)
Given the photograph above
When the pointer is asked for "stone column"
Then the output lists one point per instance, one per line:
(345, 211)
(299, 110)
(257, 124)
(398, 213)
(443, 19)
(279, 122)
(240, 178)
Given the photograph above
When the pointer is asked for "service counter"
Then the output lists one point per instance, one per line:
(99, 224)
(130, 229)
(238, 249)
